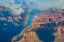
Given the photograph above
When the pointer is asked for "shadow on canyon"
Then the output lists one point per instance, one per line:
(46, 34)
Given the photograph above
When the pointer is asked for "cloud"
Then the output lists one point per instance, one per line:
(44, 4)
(18, 11)
(41, 4)
(16, 8)
(18, 5)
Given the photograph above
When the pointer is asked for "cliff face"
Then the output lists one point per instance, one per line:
(59, 38)
(30, 37)
(59, 35)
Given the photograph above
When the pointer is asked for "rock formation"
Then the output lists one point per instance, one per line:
(59, 36)
(30, 37)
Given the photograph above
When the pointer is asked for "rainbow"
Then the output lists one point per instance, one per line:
(26, 18)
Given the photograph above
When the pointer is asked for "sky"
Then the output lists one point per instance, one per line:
(17, 6)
